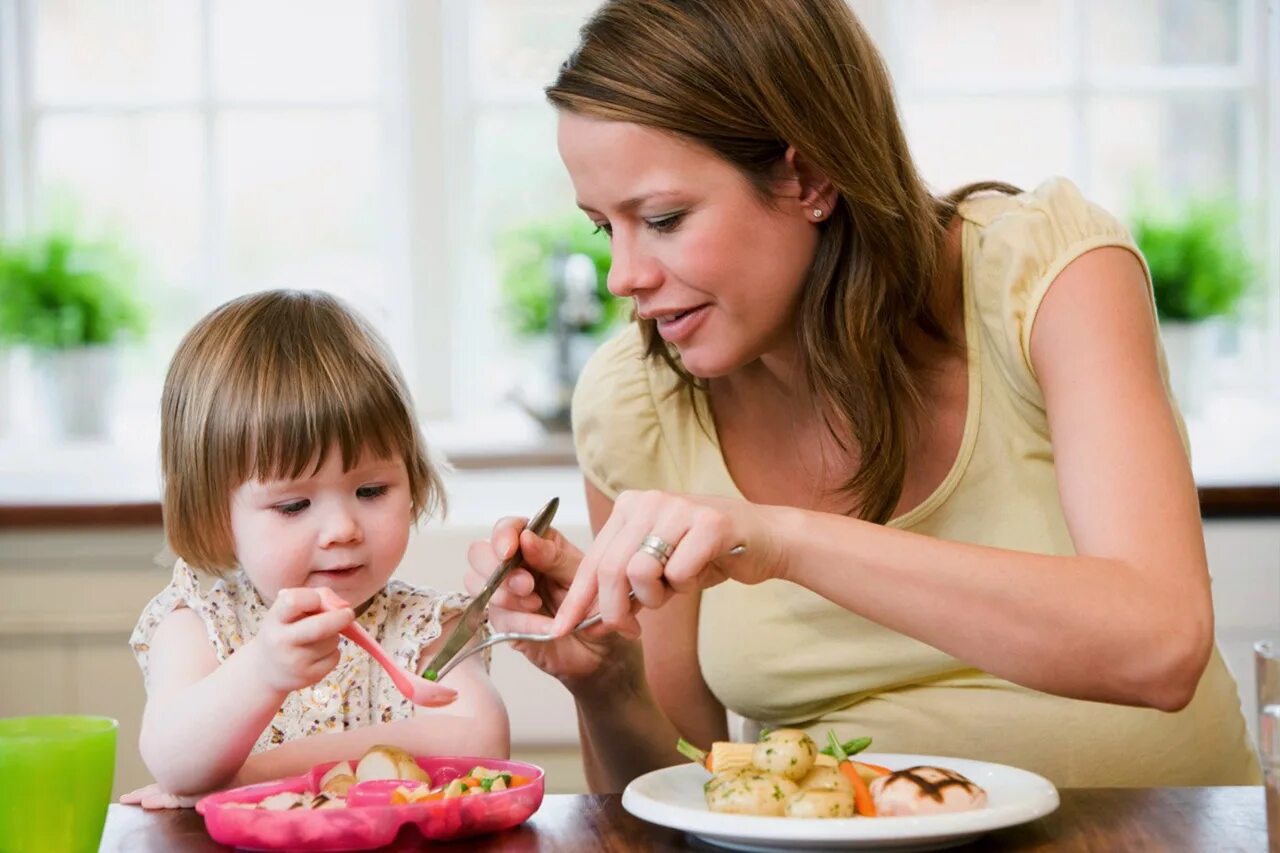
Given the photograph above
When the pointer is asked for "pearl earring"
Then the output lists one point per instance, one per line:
(817, 213)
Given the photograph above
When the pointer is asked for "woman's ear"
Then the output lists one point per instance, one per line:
(815, 195)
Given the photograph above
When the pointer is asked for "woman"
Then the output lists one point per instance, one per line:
(941, 428)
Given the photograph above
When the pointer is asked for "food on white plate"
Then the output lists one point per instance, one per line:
(814, 803)
(786, 775)
(825, 778)
(926, 790)
(788, 752)
(389, 762)
(748, 790)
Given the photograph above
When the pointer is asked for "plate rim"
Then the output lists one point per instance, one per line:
(1041, 800)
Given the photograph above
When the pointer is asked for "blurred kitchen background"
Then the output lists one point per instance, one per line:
(158, 157)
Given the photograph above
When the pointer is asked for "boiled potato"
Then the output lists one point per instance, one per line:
(813, 803)
(826, 779)
(338, 779)
(390, 762)
(787, 752)
(748, 791)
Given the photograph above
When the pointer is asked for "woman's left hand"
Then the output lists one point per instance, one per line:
(697, 533)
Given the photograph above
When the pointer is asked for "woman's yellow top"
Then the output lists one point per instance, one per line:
(780, 654)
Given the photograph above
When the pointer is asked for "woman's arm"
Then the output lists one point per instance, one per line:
(1129, 618)
(628, 723)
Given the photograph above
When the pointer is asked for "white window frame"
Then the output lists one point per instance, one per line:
(1255, 78)
(20, 115)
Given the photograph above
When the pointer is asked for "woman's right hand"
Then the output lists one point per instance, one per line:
(532, 593)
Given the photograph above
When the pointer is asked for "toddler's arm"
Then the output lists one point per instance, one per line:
(475, 725)
(202, 718)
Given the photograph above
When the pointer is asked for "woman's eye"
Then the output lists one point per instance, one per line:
(666, 223)
(605, 227)
(293, 507)
(371, 491)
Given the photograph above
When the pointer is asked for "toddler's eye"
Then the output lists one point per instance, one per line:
(371, 491)
(293, 507)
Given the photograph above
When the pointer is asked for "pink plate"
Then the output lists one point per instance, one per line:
(368, 820)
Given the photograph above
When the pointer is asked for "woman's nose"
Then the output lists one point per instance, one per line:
(631, 269)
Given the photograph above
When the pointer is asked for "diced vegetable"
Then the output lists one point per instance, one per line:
(862, 802)
(850, 747)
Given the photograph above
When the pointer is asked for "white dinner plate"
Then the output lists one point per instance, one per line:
(673, 797)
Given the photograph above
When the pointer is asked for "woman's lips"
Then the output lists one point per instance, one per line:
(680, 328)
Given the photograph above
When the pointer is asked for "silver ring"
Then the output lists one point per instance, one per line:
(655, 547)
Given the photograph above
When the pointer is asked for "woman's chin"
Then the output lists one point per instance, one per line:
(707, 365)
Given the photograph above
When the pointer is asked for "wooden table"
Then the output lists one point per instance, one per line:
(1094, 819)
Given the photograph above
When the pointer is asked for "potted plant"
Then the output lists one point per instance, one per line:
(556, 301)
(1200, 269)
(67, 299)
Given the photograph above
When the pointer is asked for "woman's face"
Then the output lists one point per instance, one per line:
(694, 245)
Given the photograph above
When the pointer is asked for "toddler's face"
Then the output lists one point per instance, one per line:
(343, 530)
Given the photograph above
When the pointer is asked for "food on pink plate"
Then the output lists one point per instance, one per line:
(925, 790)
(389, 762)
(481, 780)
(338, 779)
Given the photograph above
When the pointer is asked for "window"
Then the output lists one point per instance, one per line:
(1174, 94)
(230, 145)
(380, 150)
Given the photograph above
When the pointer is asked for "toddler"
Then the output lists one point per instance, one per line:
(292, 463)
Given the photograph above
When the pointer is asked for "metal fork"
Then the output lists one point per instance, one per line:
(515, 637)
(518, 636)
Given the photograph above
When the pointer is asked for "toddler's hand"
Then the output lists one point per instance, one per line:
(298, 642)
(154, 797)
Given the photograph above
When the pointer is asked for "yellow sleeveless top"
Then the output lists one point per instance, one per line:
(779, 654)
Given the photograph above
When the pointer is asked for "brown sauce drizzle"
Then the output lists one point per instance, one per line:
(932, 789)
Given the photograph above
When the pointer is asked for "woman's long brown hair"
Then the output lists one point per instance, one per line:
(747, 79)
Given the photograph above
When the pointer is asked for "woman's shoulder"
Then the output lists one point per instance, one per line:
(1037, 232)
(624, 403)
(1019, 245)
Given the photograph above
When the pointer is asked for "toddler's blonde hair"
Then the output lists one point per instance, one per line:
(261, 388)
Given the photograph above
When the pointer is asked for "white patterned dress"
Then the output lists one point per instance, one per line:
(403, 618)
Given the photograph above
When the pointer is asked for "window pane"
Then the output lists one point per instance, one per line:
(1171, 145)
(523, 42)
(520, 179)
(1163, 32)
(295, 49)
(138, 177)
(1019, 140)
(303, 204)
(953, 39)
(125, 50)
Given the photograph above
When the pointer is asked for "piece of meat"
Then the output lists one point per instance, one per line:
(925, 790)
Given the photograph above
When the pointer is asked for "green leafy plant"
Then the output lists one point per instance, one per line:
(60, 291)
(1199, 264)
(525, 254)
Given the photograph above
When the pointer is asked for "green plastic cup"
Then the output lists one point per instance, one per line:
(55, 782)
